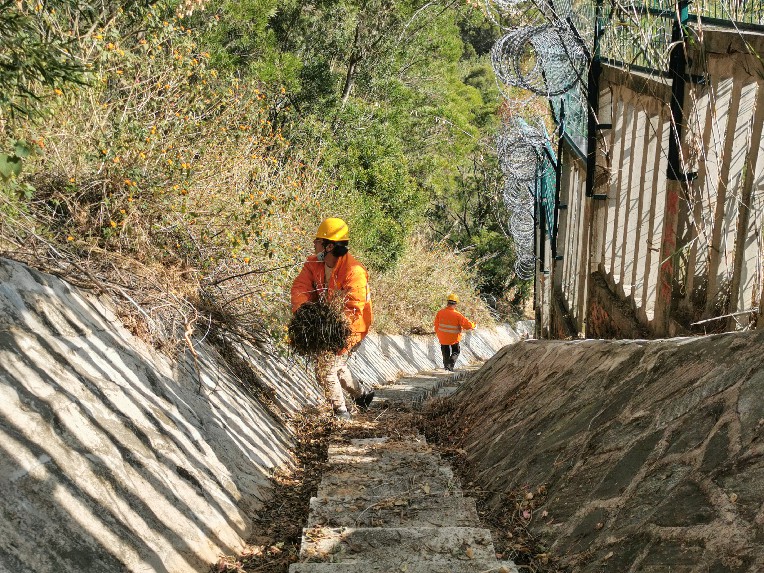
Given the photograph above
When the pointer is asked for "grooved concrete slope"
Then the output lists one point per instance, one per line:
(652, 453)
(114, 457)
(384, 358)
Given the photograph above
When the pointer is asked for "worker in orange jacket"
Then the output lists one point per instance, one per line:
(449, 325)
(332, 271)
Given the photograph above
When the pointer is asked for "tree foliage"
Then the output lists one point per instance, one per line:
(40, 45)
(215, 141)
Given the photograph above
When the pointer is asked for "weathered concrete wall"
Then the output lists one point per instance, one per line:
(115, 458)
(676, 252)
(112, 457)
(651, 451)
(721, 230)
(570, 269)
(630, 219)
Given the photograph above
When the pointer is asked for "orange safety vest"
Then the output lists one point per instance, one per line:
(449, 324)
(348, 277)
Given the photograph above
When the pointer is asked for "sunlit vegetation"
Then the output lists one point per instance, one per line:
(180, 156)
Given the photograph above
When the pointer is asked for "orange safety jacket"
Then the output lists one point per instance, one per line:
(349, 278)
(449, 324)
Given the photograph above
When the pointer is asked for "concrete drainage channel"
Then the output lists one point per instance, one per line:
(391, 506)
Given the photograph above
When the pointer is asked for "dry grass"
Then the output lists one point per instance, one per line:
(167, 187)
(172, 189)
(407, 298)
(319, 327)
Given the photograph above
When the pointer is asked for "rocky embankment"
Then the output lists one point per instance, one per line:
(638, 456)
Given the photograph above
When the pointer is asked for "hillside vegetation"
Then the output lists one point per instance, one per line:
(181, 155)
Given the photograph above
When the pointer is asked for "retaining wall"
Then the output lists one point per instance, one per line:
(115, 458)
(642, 455)
(685, 255)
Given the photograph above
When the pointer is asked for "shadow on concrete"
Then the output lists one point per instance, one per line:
(111, 465)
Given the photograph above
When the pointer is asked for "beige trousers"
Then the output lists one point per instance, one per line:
(333, 375)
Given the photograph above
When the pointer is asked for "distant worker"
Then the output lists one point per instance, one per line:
(449, 325)
(332, 271)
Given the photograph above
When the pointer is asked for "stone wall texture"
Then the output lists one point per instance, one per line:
(114, 457)
(650, 453)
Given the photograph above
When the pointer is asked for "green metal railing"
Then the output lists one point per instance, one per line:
(637, 35)
(736, 11)
(576, 116)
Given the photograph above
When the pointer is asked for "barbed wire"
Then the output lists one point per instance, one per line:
(547, 59)
(544, 51)
(520, 148)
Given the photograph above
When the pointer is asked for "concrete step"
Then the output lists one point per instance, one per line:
(417, 567)
(369, 444)
(379, 484)
(388, 506)
(389, 463)
(412, 390)
(446, 391)
(439, 546)
(458, 377)
(383, 458)
(378, 447)
(431, 511)
(415, 390)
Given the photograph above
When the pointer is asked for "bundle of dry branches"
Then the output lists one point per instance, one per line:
(319, 327)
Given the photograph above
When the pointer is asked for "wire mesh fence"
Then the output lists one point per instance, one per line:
(740, 11)
(550, 56)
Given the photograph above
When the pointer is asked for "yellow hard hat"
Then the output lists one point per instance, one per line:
(333, 229)
(452, 298)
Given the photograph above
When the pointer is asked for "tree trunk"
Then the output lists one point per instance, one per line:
(349, 77)
(355, 57)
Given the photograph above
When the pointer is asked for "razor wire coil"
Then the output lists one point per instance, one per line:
(547, 60)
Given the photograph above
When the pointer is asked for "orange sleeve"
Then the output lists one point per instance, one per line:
(467, 324)
(303, 289)
(356, 294)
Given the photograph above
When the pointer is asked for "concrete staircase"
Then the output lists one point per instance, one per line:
(413, 391)
(395, 506)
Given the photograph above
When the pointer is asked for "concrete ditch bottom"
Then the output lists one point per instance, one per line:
(395, 507)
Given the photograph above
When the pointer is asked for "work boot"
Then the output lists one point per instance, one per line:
(364, 400)
(342, 413)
